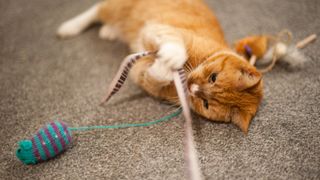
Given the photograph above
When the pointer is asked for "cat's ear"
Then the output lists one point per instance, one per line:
(248, 77)
(241, 119)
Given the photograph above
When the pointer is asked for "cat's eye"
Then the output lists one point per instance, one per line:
(213, 77)
(205, 103)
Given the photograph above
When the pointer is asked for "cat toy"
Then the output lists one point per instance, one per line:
(190, 153)
(266, 50)
(55, 137)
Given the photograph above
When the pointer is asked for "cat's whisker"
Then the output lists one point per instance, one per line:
(175, 108)
(191, 66)
(174, 100)
(188, 67)
(172, 106)
(188, 64)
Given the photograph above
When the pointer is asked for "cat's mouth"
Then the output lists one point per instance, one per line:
(195, 91)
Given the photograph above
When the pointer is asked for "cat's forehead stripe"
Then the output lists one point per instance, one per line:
(219, 54)
(226, 53)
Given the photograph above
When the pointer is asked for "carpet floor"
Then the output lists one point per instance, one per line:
(43, 79)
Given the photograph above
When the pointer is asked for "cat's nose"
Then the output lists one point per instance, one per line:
(194, 88)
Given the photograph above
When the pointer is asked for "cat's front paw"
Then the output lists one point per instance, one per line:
(170, 57)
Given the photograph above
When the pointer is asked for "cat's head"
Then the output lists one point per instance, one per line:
(226, 88)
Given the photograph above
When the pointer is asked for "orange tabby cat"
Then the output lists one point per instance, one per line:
(223, 85)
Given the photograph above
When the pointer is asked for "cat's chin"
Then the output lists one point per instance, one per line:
(191, 101)
(194, 103)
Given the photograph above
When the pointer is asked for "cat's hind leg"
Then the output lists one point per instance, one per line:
(108, 32)
(79, 23)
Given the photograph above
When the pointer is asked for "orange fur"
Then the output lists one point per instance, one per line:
(257, 43)
(236, 93)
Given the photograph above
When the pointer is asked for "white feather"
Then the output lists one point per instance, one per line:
(294, 57)
(288, 54)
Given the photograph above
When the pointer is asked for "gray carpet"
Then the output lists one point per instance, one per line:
(43, 78)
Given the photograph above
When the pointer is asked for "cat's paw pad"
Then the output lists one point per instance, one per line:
(68, 29)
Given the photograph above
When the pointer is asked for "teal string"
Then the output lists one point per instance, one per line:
(165, 118)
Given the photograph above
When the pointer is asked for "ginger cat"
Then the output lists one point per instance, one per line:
(223, 86)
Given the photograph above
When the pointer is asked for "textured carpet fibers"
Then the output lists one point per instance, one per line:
(43, 78)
